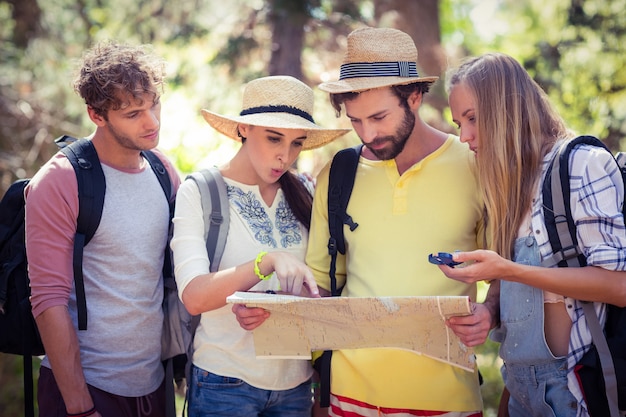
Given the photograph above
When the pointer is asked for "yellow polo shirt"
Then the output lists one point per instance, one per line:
(434, 206)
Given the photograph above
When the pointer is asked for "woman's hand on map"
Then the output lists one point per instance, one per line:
(250, 318)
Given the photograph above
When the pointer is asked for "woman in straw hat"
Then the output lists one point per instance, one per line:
(270, 213)
(508, 121)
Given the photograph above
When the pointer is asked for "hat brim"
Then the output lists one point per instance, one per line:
(355, 85)
(316, 136)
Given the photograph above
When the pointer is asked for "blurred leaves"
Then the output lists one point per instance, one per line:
(575, 49)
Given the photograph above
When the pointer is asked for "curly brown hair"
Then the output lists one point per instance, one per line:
(112, 74)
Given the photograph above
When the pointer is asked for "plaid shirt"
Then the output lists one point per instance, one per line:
(596, 196)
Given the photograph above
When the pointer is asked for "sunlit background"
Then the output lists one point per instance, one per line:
(575, 49)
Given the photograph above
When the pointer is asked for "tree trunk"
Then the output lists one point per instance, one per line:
(288, 19)
(420, 19)
(27, 15)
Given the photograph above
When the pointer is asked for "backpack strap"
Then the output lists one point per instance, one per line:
(162, 175)
(340, 182)
(216, 210)
(166, 184)
(557, 208)
(562, 235)
(606, 359)
(91, 188)
(169, 282)
(215, 207)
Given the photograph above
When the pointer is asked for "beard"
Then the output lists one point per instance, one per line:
(125, 141)
(397, 140)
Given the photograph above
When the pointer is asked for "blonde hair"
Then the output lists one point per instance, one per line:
(516, 127)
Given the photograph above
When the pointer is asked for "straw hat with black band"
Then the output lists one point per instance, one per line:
(281, 102)
(375, 58)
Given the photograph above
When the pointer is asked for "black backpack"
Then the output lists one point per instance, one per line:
(340, 182)
(18, 331)
(602, 370)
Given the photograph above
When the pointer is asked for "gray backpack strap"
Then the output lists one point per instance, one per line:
(608, 368)
(216, 209)
(555, 192)
(562, 235)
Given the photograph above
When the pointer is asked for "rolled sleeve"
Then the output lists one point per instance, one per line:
(597, 194)
(51, 212)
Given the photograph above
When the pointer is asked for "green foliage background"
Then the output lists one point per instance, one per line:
(575, 49)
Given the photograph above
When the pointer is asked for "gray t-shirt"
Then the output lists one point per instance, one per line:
(122, 266)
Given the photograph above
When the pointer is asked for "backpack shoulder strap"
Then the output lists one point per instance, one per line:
(606, 359)
(557, 209)
(161, 173)
(564, 242)
(166, 184)
(91, 185)
(216, 210)
(91, 188)
(620, 157)
(214, 198)
(340, 182)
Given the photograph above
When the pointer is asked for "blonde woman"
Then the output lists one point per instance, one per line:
(507, 120)
(270, 212)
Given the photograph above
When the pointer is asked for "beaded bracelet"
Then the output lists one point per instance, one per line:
(257, 270)
(87, 413)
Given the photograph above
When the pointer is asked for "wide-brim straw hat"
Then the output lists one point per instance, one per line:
(377, 57)
(281, 102)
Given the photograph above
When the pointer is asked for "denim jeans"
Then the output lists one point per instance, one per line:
(535, 378)
(539, 390)
(215, 395)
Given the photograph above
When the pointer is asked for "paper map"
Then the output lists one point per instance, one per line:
(299, 325)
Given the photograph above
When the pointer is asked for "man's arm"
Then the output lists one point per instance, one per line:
(51, 212)
(63, 351)
(474, 329)
(492, 303)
